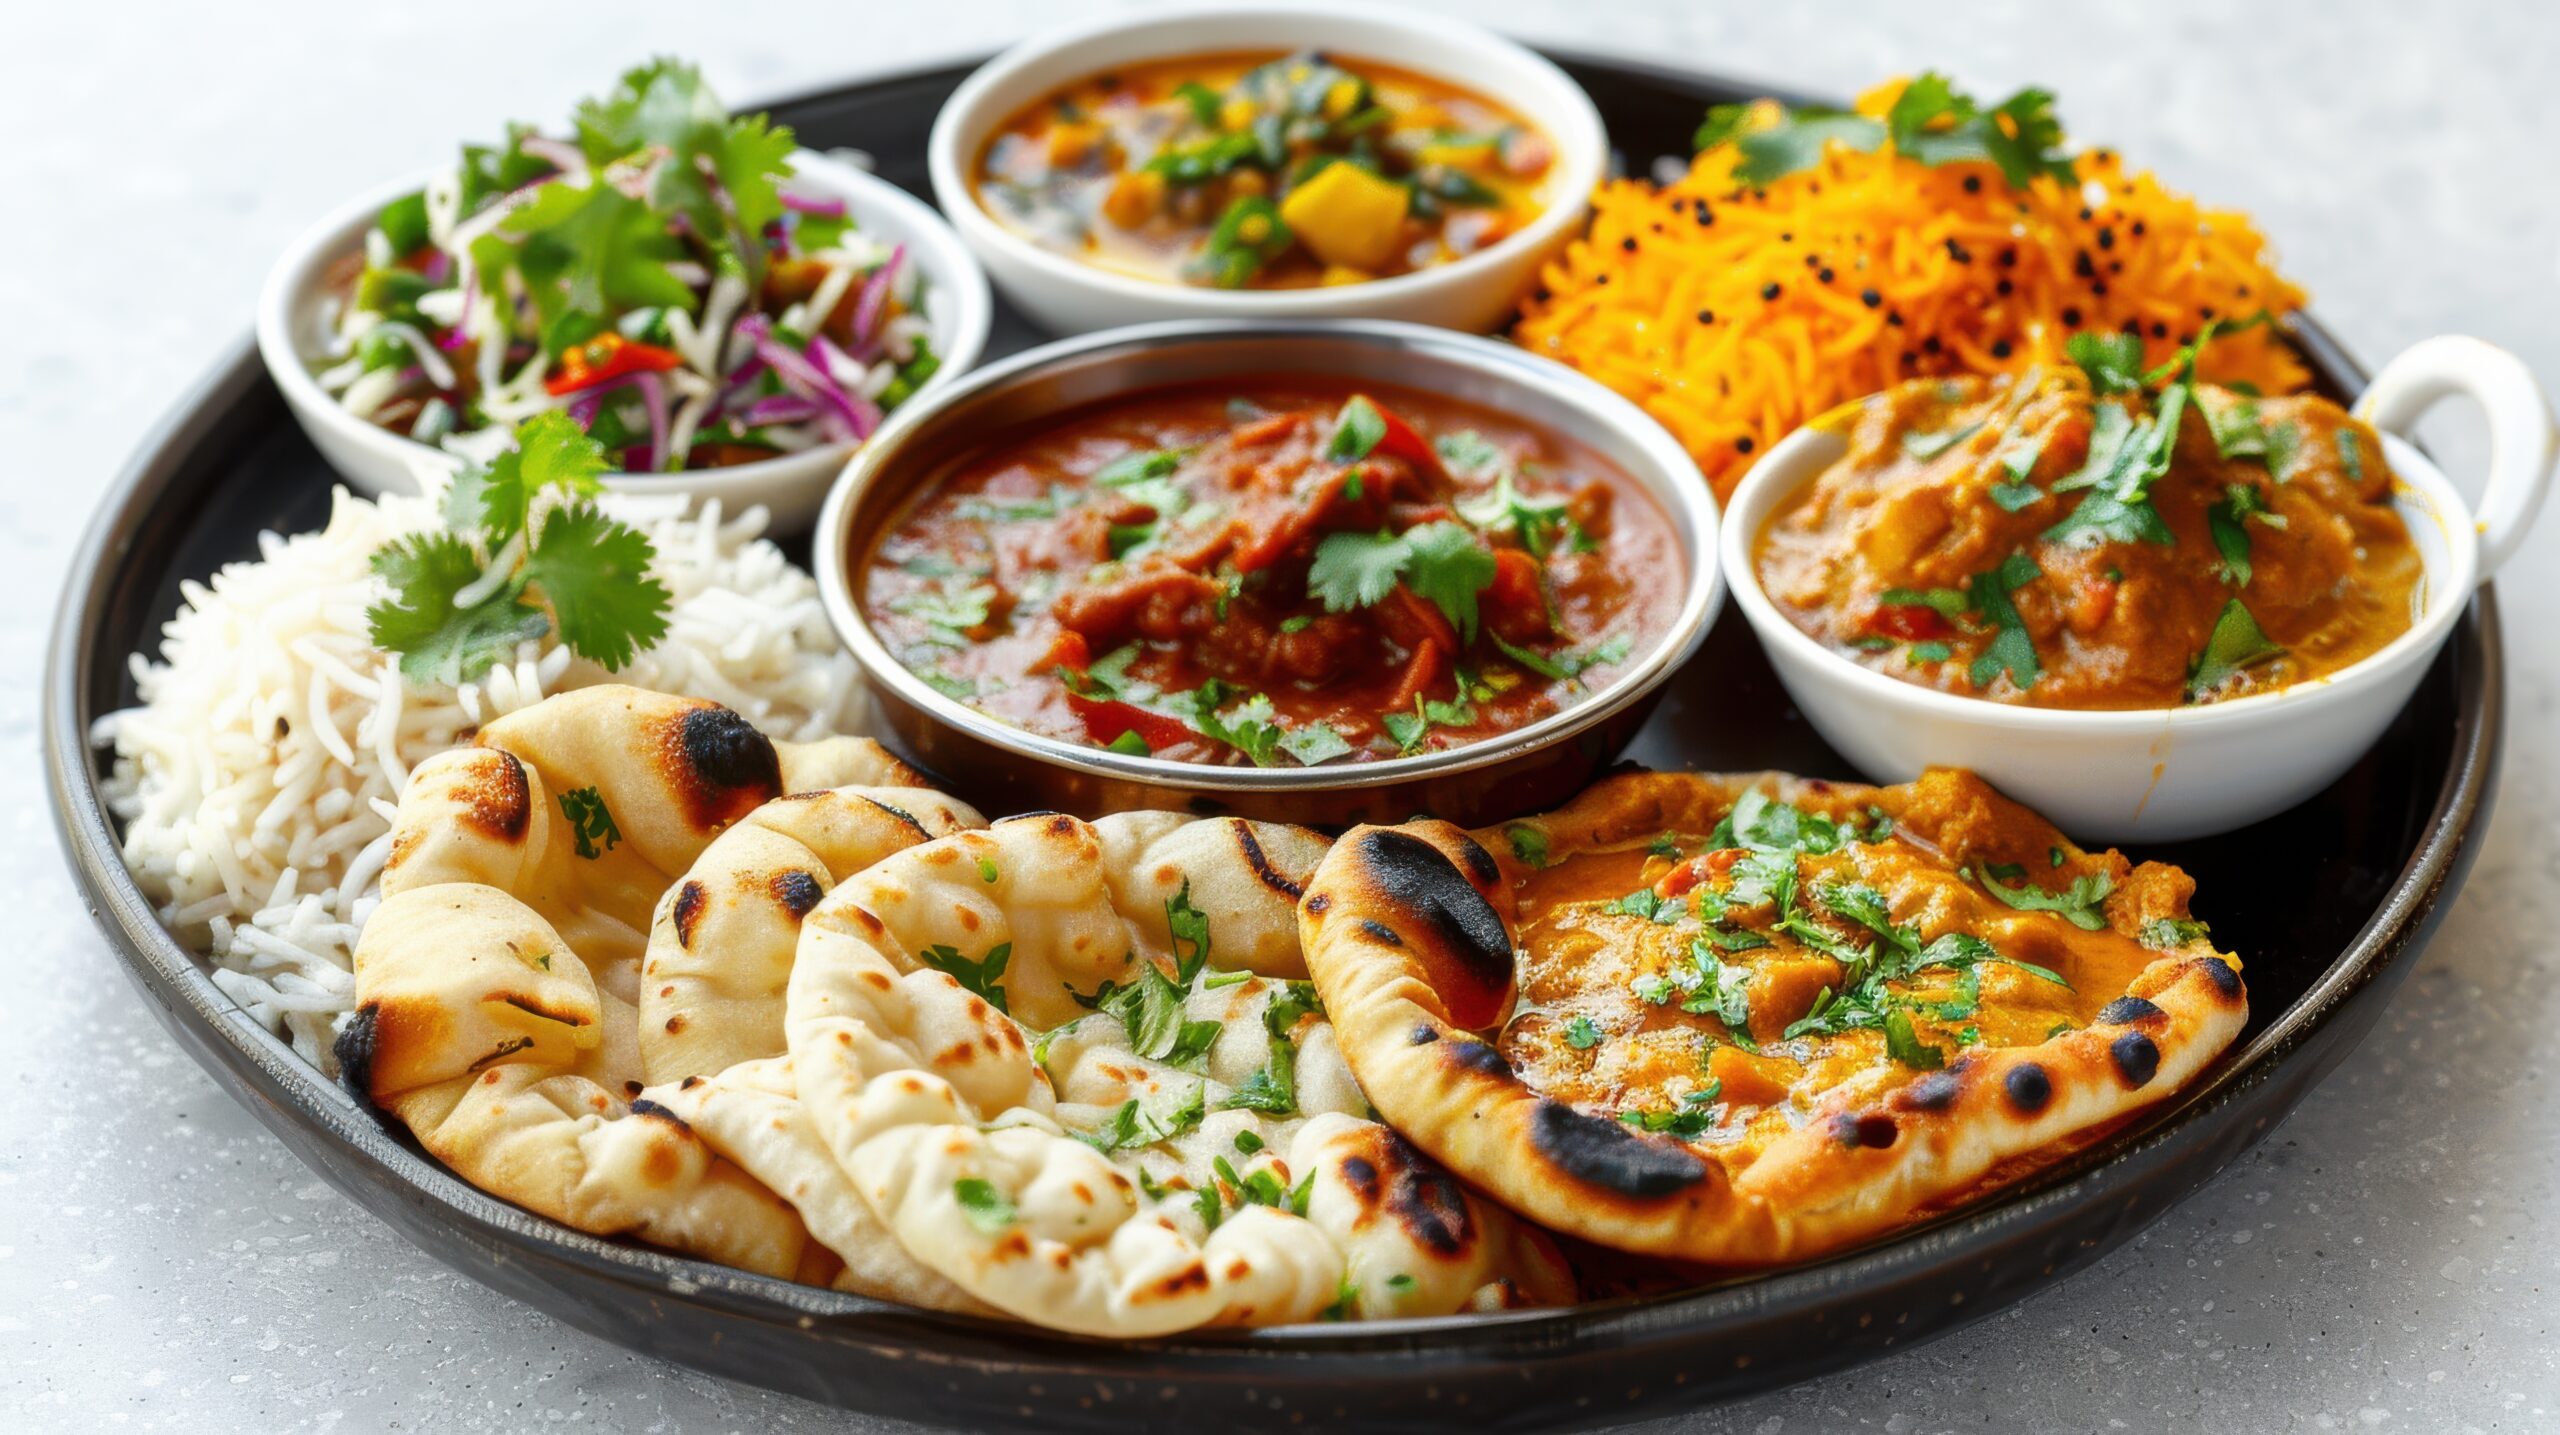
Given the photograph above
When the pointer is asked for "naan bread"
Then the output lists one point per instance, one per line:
(496, 982)
(720, 943)
(1641, 1019)
(1189, 1151)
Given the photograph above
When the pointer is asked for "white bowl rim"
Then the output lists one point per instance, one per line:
(949, 153)
(956, 274)
(1794, 463)
(1693, 500)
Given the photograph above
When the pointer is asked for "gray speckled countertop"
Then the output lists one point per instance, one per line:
(2383, 1262)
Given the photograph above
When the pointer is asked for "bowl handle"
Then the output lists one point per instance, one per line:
(2523, 438)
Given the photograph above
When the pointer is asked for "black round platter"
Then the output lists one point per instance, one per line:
(2329, 905)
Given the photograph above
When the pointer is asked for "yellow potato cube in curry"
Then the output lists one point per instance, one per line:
(1347, 216)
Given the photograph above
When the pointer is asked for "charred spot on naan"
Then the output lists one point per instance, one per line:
(718, 765)
(1445, 919)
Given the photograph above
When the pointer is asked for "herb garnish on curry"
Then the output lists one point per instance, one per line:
(2098, 537)
(1260, 172)
(1274, 573)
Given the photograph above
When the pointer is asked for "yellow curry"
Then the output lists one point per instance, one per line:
(1265, 171)
(2098, 538)
(1717, 980)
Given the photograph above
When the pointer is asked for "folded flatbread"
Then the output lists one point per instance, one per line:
(1750, 1019)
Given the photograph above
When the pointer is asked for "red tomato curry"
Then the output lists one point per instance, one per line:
(1283, 572)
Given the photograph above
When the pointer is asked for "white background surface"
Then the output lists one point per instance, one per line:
(2386, 1261)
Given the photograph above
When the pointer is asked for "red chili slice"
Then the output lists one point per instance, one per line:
(1909, 622)
(1106, 719)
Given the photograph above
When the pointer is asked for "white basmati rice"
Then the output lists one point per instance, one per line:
(258, 780)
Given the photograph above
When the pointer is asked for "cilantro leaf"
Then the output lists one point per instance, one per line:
(1467, 453)
(1797, 140)
(594, 572)
(1926, 446)
(1449, 567)
(2164, 933)
(2010, 650)
(1905, 1046)
(1137, 1123)
(1439, 561)
(585, 253)
(437, 641)
(1356, 431)
(1528, 844)
(988, 1209)
(1314, 744)
(2081, 904)
(2113, 362)
(2236, 644)
(1356, 570)
(550, 451)
(984, 977)
(1581, 1033)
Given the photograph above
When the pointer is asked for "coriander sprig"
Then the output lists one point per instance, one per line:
(463, 598)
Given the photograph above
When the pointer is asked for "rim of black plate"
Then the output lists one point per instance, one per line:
(177, 978)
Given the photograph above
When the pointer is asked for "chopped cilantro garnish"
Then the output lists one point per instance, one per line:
(2228, 521)
(1439, 561)
(1356, 430)
(1931, 123)
(2164, 933)
(1528, 844)
(2010, 650)
(2082, 903)
(590, 822)
(987, 1208)
(983, 976)
(2236, 644)
(1947, 603)
(1581, 1033)
(1926, 446)
(1138, 467)
(1315, 743)
(1905, 1046)
(1137, 1123)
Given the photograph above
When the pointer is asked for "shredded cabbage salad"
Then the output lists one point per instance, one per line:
(656, 276)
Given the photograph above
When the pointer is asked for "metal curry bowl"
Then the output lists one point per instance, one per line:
(1525, 770)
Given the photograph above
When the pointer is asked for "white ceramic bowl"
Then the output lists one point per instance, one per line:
(293, 328)
(2181, 772)
(1067, 296)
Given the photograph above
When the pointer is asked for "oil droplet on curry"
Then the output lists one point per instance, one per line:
(2087, 539)
(1265, 172)
(1280, 573)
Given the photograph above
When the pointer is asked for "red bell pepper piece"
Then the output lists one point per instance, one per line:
(1105, 719)
(606, 357)
(1909, 622)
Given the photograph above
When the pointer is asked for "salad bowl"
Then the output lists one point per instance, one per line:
(294, 319)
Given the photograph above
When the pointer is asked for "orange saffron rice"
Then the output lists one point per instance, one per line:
(1733, 314)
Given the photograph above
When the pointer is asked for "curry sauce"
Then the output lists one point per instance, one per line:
(2074, 540)
(1718, 984)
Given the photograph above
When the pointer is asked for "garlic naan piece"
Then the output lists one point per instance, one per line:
(496, 982)
(721, 942)
(1201, 1156)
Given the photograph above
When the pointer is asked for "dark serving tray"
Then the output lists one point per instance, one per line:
(2328, 904)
